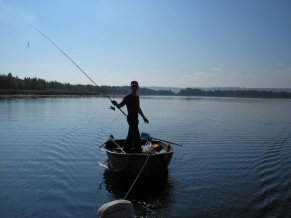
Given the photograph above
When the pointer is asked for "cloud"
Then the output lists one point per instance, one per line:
(284, 77)
(284, 73)
(218, 77)
(214, 77)
(217, 69)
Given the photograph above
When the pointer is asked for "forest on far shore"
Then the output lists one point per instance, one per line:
(10, 85)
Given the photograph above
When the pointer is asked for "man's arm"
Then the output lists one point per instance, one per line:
(143, 116)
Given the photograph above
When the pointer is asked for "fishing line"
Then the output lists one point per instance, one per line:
(137, 177)
(74, 64)
(98, 88)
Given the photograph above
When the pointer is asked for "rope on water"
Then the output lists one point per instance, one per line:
(137, 177)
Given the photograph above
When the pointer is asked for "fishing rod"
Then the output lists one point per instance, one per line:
(74, 64)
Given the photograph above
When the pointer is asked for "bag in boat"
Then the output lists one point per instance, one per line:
(147, 148)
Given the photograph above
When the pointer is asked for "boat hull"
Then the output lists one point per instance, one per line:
(142, 164)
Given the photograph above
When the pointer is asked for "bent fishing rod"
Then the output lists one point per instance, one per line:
(74, 64)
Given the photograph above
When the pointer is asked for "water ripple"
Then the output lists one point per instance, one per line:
(234, 162)
(274, 170)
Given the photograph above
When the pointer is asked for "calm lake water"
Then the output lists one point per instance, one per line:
(235, 160)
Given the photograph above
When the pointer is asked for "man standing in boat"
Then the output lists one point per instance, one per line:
(131, 101)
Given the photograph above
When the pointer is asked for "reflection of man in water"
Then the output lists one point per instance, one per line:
(131, 101)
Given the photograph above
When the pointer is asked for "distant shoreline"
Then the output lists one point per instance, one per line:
(18, 94)
(10, 85)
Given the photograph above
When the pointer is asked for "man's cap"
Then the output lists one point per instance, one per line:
(134, 83)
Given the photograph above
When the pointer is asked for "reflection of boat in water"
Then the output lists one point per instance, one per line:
(148, 165)
(148, 198)
(119, 184)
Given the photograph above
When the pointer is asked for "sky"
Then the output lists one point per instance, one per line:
(165, 43)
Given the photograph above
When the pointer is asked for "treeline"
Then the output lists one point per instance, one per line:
(15, 85)
(234, 93)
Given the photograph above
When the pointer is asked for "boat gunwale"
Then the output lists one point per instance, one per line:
(137, 154)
